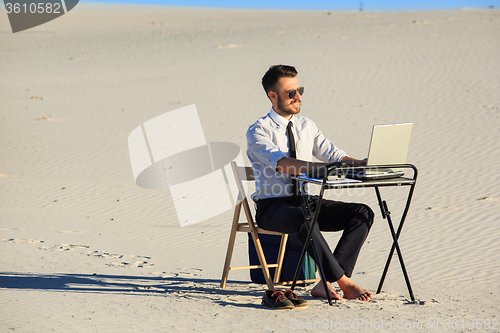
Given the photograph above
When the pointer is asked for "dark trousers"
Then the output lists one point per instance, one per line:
(285, 215)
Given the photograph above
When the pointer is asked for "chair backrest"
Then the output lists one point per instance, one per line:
(242, 173)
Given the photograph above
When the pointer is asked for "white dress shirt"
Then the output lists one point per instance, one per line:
(268, 143)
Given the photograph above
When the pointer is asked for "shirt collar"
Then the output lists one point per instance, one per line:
(279, 119)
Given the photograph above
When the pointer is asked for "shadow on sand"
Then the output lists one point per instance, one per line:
(182, 287)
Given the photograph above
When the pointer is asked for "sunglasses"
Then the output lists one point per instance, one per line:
(292, 93)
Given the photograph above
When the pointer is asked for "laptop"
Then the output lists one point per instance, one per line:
(388, 145)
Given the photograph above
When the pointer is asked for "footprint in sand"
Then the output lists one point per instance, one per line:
(131, 264)
(187, 272)
(115, 256)
(126, 260)
(64, 247)
(135, 261)
(490, 199)
(442, 208)
(21, 240)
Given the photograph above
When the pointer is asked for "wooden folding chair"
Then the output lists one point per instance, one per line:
(246, 174)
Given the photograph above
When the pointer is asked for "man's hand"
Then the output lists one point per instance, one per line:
(354, 162)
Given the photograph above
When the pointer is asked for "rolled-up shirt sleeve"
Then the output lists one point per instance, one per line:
(262, 149)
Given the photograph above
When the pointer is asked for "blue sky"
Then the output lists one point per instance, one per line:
(368, 5)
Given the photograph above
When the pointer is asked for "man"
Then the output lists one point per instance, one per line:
(278, 208)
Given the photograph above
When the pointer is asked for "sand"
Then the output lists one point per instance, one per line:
(85, 249)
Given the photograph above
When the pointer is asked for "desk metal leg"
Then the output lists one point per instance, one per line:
(400, 227)
(395, 245)
(310, 225)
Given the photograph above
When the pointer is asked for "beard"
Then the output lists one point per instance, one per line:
(287, 107)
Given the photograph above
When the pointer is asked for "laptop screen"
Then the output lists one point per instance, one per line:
(389, 144)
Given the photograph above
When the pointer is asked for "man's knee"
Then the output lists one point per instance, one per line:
(366, 214)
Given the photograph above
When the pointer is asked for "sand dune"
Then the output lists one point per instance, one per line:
(85, 249)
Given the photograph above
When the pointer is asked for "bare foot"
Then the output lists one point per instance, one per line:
(352, 290)
(319, 291)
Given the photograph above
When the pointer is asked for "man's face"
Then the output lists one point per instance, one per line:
(285, 106)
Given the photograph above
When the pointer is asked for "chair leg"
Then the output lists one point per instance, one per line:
(258, 246)
(281, 256)
(262, 259)
(230, 246)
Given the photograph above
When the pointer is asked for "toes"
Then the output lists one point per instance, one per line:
(336, 296)
(364, 297)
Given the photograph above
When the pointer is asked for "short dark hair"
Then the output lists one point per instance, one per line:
(276, 72)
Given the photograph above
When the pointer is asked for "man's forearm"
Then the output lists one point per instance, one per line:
(294, 166)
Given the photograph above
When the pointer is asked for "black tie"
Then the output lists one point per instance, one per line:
(293, 154)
